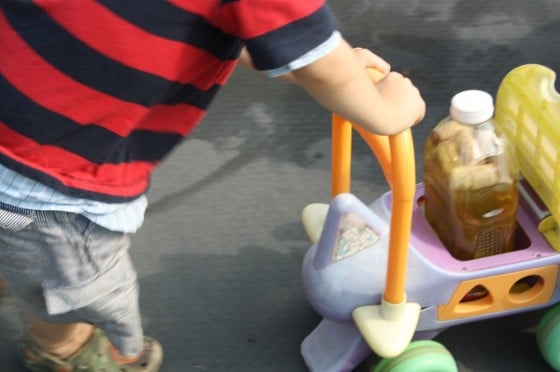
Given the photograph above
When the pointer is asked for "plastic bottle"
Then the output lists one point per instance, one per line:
(471, 180)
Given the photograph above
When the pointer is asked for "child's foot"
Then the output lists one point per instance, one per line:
(95, 356)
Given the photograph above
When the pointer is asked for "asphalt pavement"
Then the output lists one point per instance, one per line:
(220, 254)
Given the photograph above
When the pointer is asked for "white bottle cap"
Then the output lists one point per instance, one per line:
(472, 107)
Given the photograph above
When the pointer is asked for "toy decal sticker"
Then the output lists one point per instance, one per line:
(353, 236)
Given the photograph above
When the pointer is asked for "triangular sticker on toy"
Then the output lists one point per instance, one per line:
(350, 227)
(353, 236)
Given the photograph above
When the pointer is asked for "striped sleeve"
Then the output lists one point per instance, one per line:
(278, 32)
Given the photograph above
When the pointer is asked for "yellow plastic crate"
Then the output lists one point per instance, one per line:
(528, 113)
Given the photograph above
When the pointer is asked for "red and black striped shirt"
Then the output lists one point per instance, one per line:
(93, 94)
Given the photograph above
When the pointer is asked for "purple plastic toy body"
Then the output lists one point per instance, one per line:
(346, 270)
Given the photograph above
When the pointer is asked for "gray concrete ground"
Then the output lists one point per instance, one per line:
(220, 254)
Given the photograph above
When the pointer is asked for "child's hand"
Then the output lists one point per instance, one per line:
(398, 91)
(340, 82)
(402, 97)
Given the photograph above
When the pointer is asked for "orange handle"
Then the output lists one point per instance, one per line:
(403, 189)
(396, 157)
(341, 155)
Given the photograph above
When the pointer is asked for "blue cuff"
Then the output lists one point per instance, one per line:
(309, 57)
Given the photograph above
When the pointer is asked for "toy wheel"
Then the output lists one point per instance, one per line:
(420, 356)
(548, 337)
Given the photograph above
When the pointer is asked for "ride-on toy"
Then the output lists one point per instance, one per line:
(383, 281)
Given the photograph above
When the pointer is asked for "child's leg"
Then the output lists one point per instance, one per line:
(72, 273)
(69, 270)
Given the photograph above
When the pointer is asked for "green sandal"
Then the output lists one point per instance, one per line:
(92, 357)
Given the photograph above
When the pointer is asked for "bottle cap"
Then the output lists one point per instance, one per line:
(472, 107)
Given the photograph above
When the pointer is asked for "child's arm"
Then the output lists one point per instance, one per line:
(339, 82)
(246, 61)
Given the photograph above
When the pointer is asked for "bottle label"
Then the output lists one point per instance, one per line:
(486, 142)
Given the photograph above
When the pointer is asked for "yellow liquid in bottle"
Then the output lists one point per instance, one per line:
(472, 210)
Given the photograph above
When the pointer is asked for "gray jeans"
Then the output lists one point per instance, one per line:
(67, 269)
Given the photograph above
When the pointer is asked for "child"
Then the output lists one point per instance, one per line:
(93, 95)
